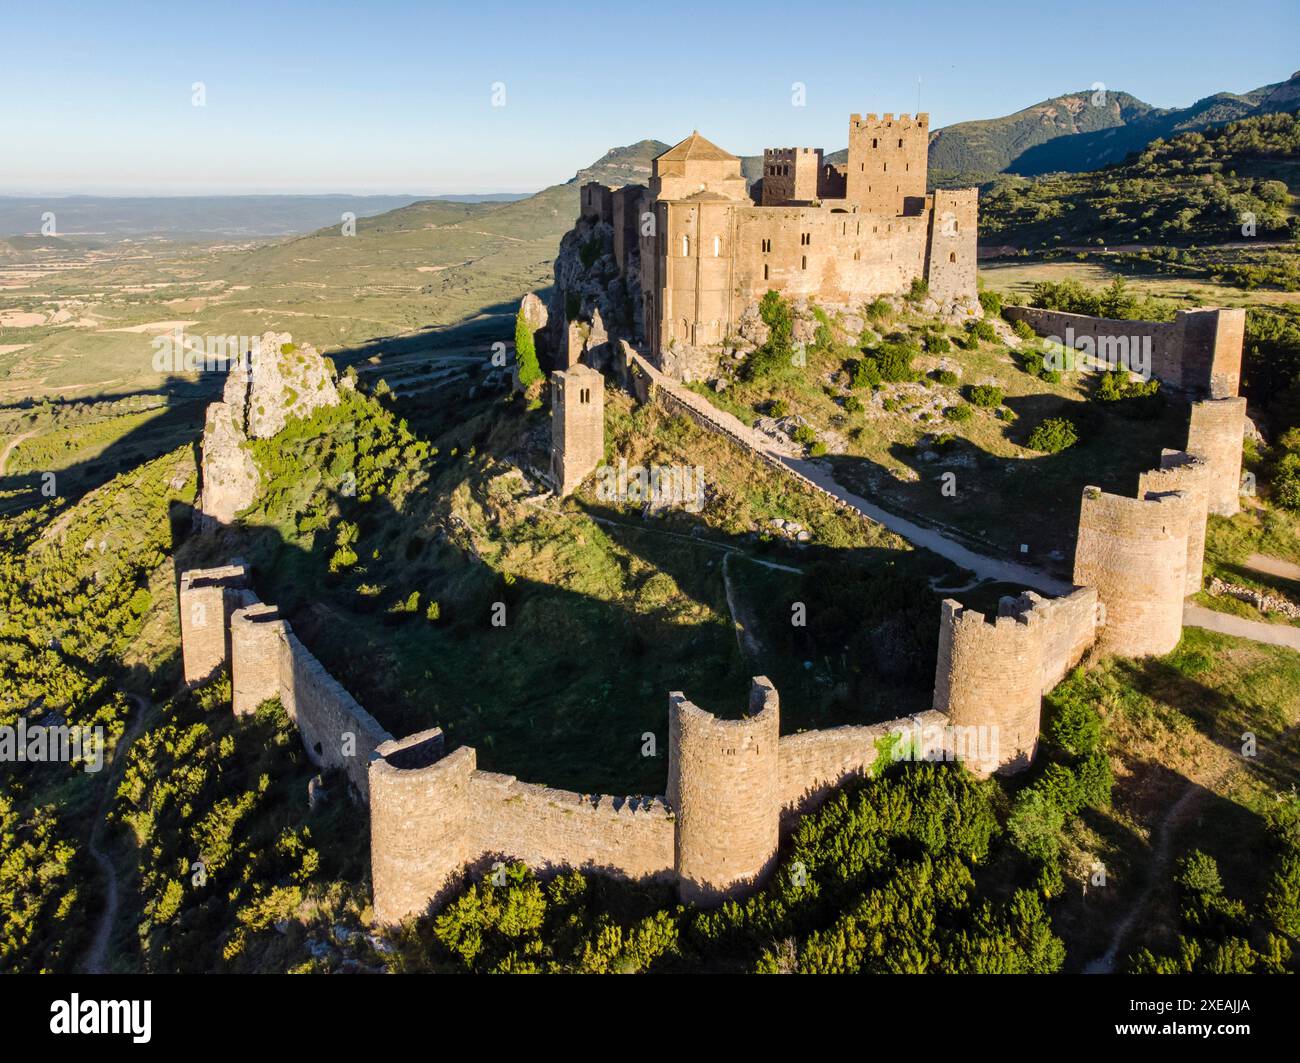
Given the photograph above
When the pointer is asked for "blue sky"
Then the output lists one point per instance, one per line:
(397, 97)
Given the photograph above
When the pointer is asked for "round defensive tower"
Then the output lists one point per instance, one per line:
(1134, 551)
(988, 680)
(419, 812)
(724, 788)
(1215, 435)
(1180, 471)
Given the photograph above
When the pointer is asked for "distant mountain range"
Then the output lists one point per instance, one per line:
(1086, 131)
(201, 217)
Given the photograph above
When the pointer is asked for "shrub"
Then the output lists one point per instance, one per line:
(1024, 330)
(805, 435)
(947, 377)
(895, 362)
(987, 396)
(991, 302)
(879, 310)
(817, 450)
(958, 414)
(982, 329)
(1053, 435)
(434, 612)
(918, 291)
(866, 373)
(853, 404)
(778, 408)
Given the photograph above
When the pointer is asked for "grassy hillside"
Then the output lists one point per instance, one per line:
(1197, 188)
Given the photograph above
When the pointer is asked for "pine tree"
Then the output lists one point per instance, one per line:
(525, 351)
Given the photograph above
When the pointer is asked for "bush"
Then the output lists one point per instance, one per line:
(895, 362)
(982, 330)
(866, 373)
(947, 377)
(986, 396)
(1053, 435)
(918, 291)
(958, 414)
(1024, 330)
(937, 343)
(805, 435)
(879, 310)
(991, 302)
(853, 404)
(817, 450)
(778, 408)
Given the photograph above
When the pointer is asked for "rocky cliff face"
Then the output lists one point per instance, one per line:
(590, 291)
(279, 381)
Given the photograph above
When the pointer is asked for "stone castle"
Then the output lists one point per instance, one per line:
(735, 786)
(697, 250)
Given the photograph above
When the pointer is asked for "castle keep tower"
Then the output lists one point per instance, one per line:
(577, 425)
(888, 160)
(724, 785)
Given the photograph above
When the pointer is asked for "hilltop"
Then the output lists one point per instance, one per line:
(1073, 133)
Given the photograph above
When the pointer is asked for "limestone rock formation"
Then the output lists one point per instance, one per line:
(283, 380)
(229, 476)
(277, 381)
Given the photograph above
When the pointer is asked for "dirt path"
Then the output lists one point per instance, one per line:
(1274, 566)
(1227, 624)
(11, 446)
(740, 620)
(983, 566)
(1156, 869)
(97, 955)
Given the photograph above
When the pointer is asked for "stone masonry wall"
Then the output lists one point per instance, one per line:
(1069, 628)
(336, 731)
(257, 646)
(1199, 351)
(814, 763)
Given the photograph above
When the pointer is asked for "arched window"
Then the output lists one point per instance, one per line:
(803, 261)
(952, 256)
(686, 245)
(584, 395)
(717, 246)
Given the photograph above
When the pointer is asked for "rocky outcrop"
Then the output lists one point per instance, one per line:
(276, 382)
(590, 289)
(230, 478)
(282, 380)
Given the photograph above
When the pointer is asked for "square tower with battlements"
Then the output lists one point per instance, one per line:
(577, 425)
